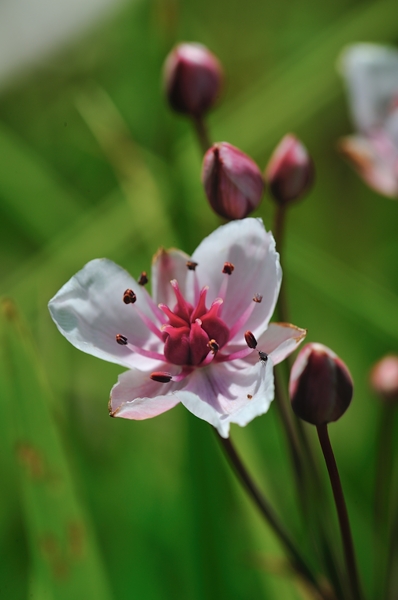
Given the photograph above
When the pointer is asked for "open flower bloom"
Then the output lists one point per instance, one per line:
(371, 76)
(202, 339)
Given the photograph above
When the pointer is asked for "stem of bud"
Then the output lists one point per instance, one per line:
(297, 561)
(342, 513)
(202, 133)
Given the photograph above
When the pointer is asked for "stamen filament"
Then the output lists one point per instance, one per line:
(146, 353)
(184, 373)
(242, 320)
(209, 358)
(157, 313)
(223, 287)
(150, 324)
(196, 288)
(238, 354)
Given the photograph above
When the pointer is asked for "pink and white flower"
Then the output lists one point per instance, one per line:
(202, 339)
(371, 76)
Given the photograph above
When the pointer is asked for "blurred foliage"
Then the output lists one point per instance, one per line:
(94, 164)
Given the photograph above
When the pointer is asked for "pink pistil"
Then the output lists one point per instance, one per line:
(183, 308)
(190, 329)
(194, 336)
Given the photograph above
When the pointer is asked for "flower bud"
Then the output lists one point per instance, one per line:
(320, 385)
(233, 182)
(384, 378)
(290, 171)
(192, 78)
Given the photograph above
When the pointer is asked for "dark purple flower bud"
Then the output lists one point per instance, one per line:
(233, 182)
(193, 78)
(320, 385)
(290, 171)
(384, 378)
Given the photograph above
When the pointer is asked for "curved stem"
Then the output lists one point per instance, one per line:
(292, 440)
(342, 513)
(382, 498)
(298, 562)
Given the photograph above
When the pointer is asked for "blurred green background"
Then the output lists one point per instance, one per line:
(93, 163)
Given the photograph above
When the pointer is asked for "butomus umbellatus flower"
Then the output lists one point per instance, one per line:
(202, 339)
(370, 72)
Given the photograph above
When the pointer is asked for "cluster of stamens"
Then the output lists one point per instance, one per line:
(193, 336)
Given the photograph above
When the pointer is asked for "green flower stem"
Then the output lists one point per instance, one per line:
(298, 562)
(342, 513)
(310, 490)
(279, 231)
(202, 133)
(382, 498)
(293, 442)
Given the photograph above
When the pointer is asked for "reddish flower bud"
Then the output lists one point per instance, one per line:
(290, 171)
(320, 385)
(233, 182)
(384, 378)
(192, 78)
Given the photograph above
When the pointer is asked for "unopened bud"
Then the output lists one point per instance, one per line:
(384, 378)
(233, 182)
(192, 78)
(290, 171)
(320, 385)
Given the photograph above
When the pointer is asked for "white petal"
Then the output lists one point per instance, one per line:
(371, 76)
(136, 396)
(168, 265)
(376, 160)
(221, 394)
(251, 250)
(89, 311)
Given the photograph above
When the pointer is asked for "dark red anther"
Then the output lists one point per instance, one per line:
(263, 356)
(250, 340)
(161, 376)
(214, 347)
(228, 268)
(143, 280)
(257, 298)
(129, 297)
(191, 264)
(121, 339)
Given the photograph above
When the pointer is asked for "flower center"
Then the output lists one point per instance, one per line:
(192, 335)
(193, 332)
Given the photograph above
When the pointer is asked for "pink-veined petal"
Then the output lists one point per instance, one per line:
(89, 311)
(377, 165)
(136, 396)
(168, 265)
(371, 76)
(251, 250)
(221, 394)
